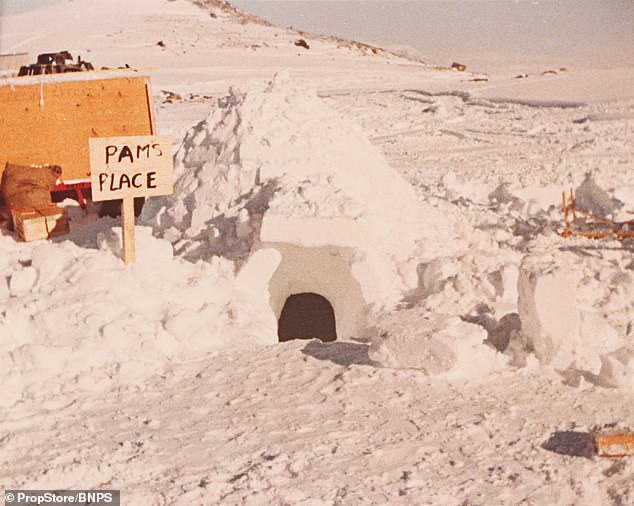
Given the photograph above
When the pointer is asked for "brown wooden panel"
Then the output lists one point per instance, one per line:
(51, 122)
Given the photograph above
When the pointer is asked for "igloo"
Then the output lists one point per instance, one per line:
(308, 209)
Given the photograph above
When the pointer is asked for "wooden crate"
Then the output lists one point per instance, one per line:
(40, 223)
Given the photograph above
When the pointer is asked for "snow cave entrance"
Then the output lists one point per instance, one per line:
(306, 316)
(313, 293)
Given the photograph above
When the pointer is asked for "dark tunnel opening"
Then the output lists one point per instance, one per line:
(307, 316)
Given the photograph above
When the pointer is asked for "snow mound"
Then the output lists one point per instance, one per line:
(273, 162)
(593, 199)
(435, 344)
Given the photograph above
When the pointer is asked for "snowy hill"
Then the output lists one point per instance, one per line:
(506, 344)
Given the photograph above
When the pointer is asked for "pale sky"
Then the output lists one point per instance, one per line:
(596, 32)
(479, 32)
(12, 6)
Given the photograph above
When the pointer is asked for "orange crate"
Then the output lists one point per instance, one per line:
(42, 222)
(614, 445)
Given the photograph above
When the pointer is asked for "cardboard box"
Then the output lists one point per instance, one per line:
(42, 222)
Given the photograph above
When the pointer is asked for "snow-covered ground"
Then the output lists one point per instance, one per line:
(480, 386)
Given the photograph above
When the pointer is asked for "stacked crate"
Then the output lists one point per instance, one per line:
(41, 222)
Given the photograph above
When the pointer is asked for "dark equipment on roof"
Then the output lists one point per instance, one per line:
(55, 63)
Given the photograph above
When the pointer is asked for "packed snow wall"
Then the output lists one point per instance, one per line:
(324, 270)
(576, 310)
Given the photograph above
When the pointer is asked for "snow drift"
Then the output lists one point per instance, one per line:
(77, 319)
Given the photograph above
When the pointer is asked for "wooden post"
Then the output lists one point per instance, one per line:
(127, 227)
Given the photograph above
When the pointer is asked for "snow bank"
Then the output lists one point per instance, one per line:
(567, 301)
(576, 309)
(77, 319)
(463, 312)
(71, 77)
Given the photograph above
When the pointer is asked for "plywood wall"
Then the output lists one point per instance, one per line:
(51, 122)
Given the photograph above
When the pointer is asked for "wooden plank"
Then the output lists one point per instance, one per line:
(614, 445)
(135, 166)
(51, 122)
(150, 108)
(127, 217)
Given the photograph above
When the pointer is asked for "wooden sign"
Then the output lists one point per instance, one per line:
(129, 167)
(138, 166)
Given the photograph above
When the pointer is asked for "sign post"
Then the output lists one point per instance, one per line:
(127, 228)
(129, 167)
